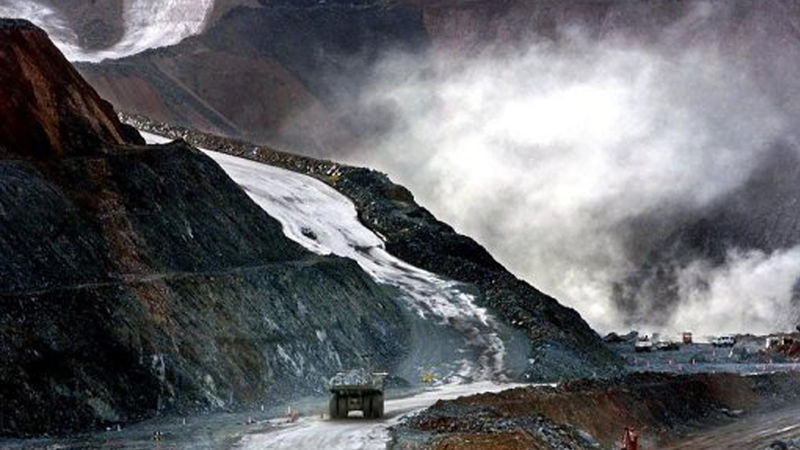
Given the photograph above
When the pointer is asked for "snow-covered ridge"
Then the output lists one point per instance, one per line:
(326, 222)
(148, 24)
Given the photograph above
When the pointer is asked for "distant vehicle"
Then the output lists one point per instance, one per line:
(723, 341)
(643, 345)
(687, 337)
(779, 341)
(667, 345)
(773, 342)
(357, 390)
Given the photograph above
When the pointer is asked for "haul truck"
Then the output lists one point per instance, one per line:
(357, 390)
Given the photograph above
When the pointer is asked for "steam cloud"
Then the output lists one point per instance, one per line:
(752, 292)
(546, 156)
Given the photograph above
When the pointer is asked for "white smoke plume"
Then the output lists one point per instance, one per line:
(544, 155)
(752, 292)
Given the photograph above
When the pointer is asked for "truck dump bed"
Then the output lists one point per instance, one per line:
(356, 380)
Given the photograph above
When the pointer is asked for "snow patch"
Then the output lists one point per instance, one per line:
(326, 222)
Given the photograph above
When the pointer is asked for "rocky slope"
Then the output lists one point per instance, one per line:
(45, 117)
(557, 342)
(138, 280)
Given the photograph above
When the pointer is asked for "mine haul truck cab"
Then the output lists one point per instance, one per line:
(357, 390)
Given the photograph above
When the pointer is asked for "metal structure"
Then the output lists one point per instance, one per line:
(724, 341)
(643, 344)
(667, 345)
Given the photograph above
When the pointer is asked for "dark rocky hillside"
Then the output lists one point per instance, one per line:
(137, 280)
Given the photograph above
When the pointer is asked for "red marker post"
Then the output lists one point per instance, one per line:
(630, 440)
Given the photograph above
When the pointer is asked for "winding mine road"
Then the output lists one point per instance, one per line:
(356, 433)
(755, 431)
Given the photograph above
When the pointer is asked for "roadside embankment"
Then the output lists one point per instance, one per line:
(594, 413)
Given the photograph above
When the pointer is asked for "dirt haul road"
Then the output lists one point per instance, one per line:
(356, 433)
(756, 431)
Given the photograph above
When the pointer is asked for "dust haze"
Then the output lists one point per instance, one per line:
(547, 155)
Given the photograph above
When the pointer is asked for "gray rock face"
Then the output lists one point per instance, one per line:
(171, 292)
(136, 280)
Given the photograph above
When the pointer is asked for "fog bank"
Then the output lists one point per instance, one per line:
(548, 155)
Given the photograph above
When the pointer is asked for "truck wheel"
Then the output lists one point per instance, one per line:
(333, 407)
(367, 402)
(377, 406)
(342, 407)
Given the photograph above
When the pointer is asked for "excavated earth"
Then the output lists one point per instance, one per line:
(587, 414)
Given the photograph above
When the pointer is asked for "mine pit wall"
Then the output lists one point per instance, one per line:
(659, 406)
(560, 345)
(198, 303)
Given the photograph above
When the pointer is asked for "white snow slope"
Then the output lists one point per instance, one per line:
(324, 221)
(148, 24)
